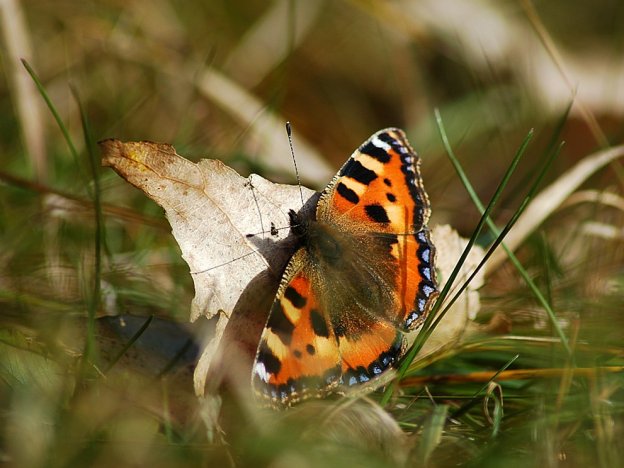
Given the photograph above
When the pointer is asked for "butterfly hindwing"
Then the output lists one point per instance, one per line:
(298, 355)
(366, 356)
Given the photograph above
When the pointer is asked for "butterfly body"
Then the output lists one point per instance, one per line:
(362, 277)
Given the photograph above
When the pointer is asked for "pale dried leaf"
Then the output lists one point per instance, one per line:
(595, 196)
(212, 210)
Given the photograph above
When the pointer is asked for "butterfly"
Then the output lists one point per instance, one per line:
(361, 277)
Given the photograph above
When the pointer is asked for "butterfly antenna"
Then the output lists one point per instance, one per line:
(292, 153)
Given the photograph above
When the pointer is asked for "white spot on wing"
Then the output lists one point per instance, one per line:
(261, 372)
(291, 312)
(380, 144)
(275, 344)
(425, 255)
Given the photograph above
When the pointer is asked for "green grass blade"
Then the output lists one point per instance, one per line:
(475, 398)
(553, 153)
(464, 178)
(432, 433)
(427, 329)
(129, 344)
(94, 303)
(52, 108)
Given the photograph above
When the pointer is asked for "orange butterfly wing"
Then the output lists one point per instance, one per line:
(379, 192)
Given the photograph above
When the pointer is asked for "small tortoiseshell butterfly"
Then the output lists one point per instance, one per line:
(362, 277)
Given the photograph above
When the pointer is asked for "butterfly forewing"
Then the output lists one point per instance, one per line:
(379, 191)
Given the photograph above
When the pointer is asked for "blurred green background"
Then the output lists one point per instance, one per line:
(218, 79)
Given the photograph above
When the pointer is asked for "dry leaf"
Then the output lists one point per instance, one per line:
(214, 214)
(212, 210)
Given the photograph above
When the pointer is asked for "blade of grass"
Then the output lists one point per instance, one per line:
(432, 433)
(129, 344)
(500, 237)
(475, 398)
(18, 42)
(531, 193)
(90, 342)
(550, 47)
(111, 210)
(427, 329)
(52, 108)
(553, 196)
(513, 374)
(492, 248)
(495, 391)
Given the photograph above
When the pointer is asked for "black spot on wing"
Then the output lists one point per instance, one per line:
(280, 324)
(294, 297)
(346, 193)
(379, 154)
(318, 324)
(356, 171)
(377, 213)
(310, 349)
(390, 197)
(388, 182)
(266, 357)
